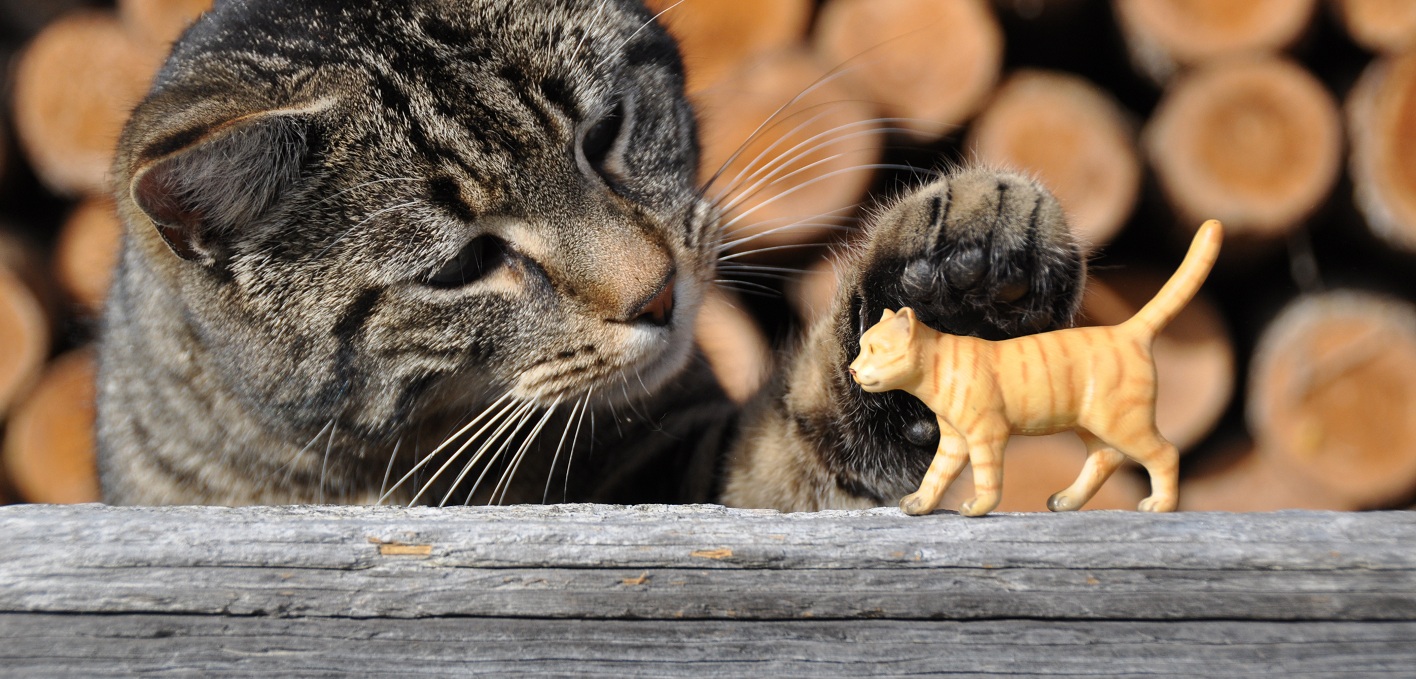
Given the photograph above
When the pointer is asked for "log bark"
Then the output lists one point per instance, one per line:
(795, 148)
(1333, 395)
(1381, 111)
(74, 87)
(87, 252)
(1387, 26)
(1166, 35)
(734, 345)
(49, 447)
(160, 22)
(931, 64)
(703, 591)
(1073, 136)
(718, 36)
(1256, 144)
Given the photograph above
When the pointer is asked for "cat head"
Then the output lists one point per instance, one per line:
(366, 210)
(889, 355)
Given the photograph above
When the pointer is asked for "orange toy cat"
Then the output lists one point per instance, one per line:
(1097, 381)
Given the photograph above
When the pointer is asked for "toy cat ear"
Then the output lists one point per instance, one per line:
(908, 315)
(887, 315)
(200, 187)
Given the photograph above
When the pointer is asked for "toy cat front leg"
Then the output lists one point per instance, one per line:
(948, 463)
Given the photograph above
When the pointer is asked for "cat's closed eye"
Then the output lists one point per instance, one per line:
(598, 145)
(478, 258)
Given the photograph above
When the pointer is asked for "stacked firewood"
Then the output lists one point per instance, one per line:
(1290, 382)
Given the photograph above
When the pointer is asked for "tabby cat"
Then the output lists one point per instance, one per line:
(433, 251)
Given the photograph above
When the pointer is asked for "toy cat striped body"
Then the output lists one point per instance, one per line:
(1098, 381)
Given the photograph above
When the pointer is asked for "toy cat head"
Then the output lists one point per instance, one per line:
(369, 210)
(888, 356)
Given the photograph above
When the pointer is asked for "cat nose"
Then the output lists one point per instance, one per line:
(659, 309)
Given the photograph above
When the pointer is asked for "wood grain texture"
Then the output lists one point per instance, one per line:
(701, 591)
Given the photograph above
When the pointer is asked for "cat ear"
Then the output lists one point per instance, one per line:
(219, 180)
(910, 319)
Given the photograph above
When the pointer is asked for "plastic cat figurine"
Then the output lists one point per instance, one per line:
(1097, 381)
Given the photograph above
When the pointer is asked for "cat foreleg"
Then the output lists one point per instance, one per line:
(986, 458)
(948, 463)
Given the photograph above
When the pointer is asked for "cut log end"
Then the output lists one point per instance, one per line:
(1256, 144)
(1333, 393)
(1381, 114)
(160, 22)
(1074, 137)
(931, 64)
(74, 87)
(1241, 479)
(734, 345)
(718, 36)
(790, 176)
(24, 338)
(1164, 35)
(87, 252)
(49, 445)
(1387, 26)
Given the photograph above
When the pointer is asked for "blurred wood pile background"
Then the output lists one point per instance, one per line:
(1290, 382)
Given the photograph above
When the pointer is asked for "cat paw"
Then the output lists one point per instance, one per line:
(978, 506)
(916, 504)
(1158, 504)
(1062, 502)
(981, 253)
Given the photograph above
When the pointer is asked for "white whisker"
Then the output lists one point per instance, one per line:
(522, 418)
(570, 459)
(551, 473)
(504, 484)
(421, 463)
(519, 414)
(636, 33)
(388, 471)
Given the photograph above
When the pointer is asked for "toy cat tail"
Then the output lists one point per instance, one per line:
(1098, 381)
(1183, 284)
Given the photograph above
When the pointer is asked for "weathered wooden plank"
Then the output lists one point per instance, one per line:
(706, 563)
(203, 646)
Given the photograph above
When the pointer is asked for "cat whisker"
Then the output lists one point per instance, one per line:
(521, 419)
(759, 158)
(388, 471)
(365, 185)
(324, 464)
(429, 457)
(570, 459)
(366, 220)
(776, 248)
(756, 267)
(811, 145)
(569, 421)
(620, 47)
(599, 10)
(761, 274)
(826, 78)
(507, 415)
(802, 224)
(745, 287)
(799, 187)
(772, 179)
(504, 485)
(518, 414)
